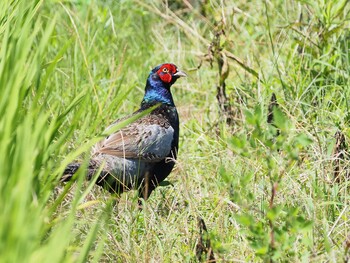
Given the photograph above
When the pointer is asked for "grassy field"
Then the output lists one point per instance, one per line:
(270, 182)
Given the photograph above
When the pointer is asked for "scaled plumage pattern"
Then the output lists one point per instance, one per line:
(142, 154)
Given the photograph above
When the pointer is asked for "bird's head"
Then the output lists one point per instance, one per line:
(167, 73)
(159, 82)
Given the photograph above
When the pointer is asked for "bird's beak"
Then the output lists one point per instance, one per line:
(180, 73)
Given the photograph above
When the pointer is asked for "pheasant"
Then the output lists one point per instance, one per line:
(142, 154)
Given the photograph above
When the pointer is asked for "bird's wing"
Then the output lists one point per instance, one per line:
(147, 139)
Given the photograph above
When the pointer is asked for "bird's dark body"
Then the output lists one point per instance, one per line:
(145, 171)
(142, 154)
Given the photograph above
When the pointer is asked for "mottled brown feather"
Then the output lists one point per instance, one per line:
(128, 142)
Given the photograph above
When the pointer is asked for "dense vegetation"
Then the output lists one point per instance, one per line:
(264, 128)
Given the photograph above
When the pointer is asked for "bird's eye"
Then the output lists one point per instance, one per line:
(165, 70)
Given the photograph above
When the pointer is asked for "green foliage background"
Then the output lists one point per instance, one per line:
(69, 68)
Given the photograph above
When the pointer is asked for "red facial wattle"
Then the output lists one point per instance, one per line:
(166, 71)
(165, 77)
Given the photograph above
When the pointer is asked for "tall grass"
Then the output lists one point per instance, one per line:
(32, 136)
(68, 69)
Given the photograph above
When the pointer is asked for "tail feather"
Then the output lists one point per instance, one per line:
(70, 170)
(109, 183)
